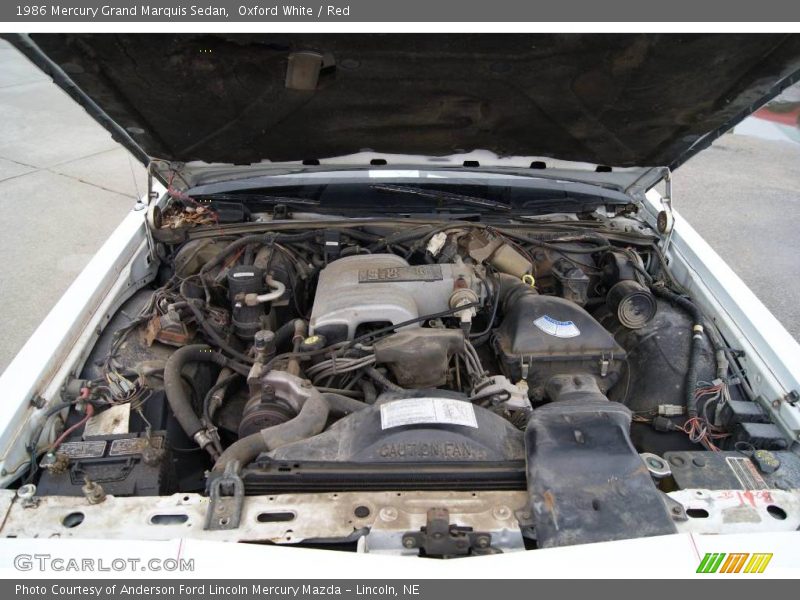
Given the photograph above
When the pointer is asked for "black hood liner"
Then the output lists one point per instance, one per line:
(620, 100)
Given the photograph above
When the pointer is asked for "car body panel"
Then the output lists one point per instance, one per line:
(32, 383)
(679, 556)
(615, 100)
(61, 343)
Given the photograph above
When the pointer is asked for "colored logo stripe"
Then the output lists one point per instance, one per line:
(734, 563)
(720, 562)
(758, 563)
(711, 562)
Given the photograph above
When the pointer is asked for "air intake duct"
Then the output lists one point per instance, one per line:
(633, 304)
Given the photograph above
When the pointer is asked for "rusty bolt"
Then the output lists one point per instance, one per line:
(93, 491)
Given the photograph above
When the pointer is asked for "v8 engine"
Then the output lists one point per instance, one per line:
(358, 292)
(452, 357)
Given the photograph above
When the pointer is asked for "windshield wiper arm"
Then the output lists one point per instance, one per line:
(439, 195)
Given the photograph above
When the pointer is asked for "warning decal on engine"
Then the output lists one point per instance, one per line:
(556, 328)
(444, 411)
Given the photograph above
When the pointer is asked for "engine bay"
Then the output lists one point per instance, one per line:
(555, 361)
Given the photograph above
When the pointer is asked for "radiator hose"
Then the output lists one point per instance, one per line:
(341, 406)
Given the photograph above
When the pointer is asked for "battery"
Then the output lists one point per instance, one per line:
(132, 464)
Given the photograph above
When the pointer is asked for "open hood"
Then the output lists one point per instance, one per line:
(613, 100)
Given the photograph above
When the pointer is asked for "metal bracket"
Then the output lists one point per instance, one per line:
(226, 499)
(38, 402)
(676, 510)
(152, 195)
(280, 212)
(439, 538)
(523, 367)
(604, 365)
(665, 220)
(150, 207)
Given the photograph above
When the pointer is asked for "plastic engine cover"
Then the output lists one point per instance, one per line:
(586, 481)
(429, 428)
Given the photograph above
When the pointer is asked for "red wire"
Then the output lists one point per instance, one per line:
(63, 436)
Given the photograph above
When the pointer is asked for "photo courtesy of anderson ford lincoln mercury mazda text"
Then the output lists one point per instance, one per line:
(420, 295)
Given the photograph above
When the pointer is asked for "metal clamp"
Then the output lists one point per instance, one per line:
(226, 499)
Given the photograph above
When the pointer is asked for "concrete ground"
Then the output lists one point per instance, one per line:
(743, 196)
(65, 185)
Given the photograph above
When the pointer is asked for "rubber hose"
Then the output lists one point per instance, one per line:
(361, 236)
(284, 334)
(341, 406)
(242, 451)
(482, 336)
(382, 380)
(690, 381)
(215, 336)
(512, 289)
(179, 401)
(368, 388)
(309, 422)
(221, 384)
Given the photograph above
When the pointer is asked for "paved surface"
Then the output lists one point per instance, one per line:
(65, 184)
(743, 196)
